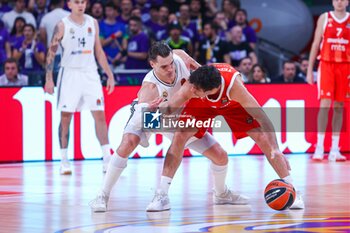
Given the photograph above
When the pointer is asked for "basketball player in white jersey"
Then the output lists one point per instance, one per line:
(169, 72)
(78, 81)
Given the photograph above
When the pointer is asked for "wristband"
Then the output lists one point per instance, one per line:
(113, 37)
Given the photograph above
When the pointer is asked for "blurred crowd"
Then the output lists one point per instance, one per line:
(209, 30)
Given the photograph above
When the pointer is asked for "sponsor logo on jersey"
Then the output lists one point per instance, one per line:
(71, 32)
(89, 31)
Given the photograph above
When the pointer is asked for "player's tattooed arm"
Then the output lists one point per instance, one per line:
(56, 39)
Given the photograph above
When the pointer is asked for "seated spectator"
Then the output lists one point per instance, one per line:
(11, 77)
(5, 48)
(248, 32)
(212, 48)
(178, 41)
(258, 74)
(153, 24)
(126, 7)
(245, 66)
(189, 28)
(39, 9)
(221, 20)
(230, 7)
(144, 6)
(289, 74)
(30, 53)
(137, 45)
(19, 10)
(16, 35)
(163, 22)
(111, 35)
(304, 63)
(238, 49)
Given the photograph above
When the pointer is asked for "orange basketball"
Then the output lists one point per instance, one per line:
(279, 195)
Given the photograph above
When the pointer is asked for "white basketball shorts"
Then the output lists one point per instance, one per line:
(79, 89)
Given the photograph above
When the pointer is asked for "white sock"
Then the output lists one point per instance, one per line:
(219, 174)
(64, 154)
(115, 168)
(107, 150)
(288, 179)
(165, 183)
(320, 139)
(335, 142)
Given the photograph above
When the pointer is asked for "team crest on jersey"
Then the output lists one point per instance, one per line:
(99, 102)
(224, 100)
(71, 32)
(89, 31)
(165, 94)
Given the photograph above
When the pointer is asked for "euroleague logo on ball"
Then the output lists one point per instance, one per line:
(279, 195)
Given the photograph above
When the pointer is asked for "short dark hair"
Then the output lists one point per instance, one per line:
(11, 60)
(206, 78)
(29, 25)
(158, 48)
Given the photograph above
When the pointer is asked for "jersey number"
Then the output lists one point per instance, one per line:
(81, 41)
(339, 30)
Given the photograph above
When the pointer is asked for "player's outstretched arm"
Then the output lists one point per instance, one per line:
(240, 94)
(315, 47)
(190, 63)
(102, 60)
(52, 50)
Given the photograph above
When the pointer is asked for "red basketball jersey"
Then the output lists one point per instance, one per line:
(335, 46)
(228, 74)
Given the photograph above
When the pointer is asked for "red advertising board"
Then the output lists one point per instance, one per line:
(29, 124)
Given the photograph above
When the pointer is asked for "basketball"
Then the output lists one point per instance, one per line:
(279, 195)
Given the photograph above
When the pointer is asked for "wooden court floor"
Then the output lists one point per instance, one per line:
(35, 198)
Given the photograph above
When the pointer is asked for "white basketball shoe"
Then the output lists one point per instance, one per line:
(99, 204)
(230, 197)
(298, 203)
(319, 154)
(65, 168)
(160, 202)
(335, 156)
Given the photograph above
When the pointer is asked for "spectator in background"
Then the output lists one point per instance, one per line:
(4, 7)
(189, 28)
(230, 7)
(16, 35)
(304, 63)
(258, 74)
(5, 48)
(96, 10)
(196, 14)
(163, 22)
(19, 10)
(126, 7)
(39, 10)
(289, 74)
(111, 35)
(178, 41)
(238, 49)
(248, 32)
(30, 53)
(244, 67)
(153, 23)
(144, 7)
(11, 77)
(221, 20)
(212, 48)
(137, 45)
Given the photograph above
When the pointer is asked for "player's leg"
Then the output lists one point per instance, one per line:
(63, 132)
(102, 136)
(325, 85)
(210, 148)
(172, 161)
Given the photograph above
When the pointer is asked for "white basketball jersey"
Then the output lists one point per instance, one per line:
(78, 44)
(166, 90)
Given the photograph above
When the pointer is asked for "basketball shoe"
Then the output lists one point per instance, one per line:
(65, 168)
(230, 197)
(298, 203)
(319, 153)
(160, 202)
(335, 156)
(99, 204)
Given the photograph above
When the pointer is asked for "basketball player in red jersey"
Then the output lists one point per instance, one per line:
(332, 36)
(217, 90)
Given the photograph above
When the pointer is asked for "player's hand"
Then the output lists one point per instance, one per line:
(110, 84)
(49, 87)
(155, 103)
(310, 77)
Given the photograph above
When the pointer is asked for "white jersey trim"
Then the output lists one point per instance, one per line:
(340, 20)
(234, 76)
